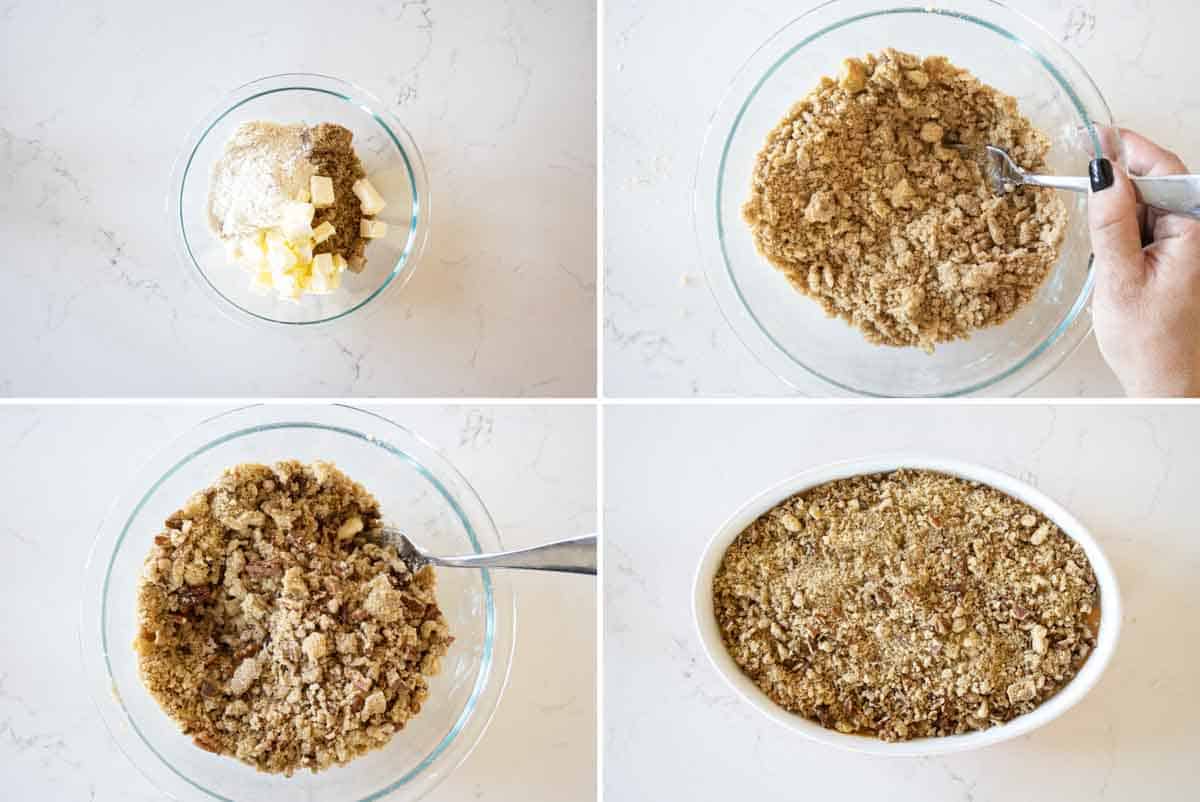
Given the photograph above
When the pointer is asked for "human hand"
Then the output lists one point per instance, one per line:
(1147, 309)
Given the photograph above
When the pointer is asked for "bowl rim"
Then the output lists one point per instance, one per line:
(422, 201)
(500, 628)
(1084, 680)
(1067, 335)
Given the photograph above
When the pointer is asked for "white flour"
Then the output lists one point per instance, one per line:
(265, 165)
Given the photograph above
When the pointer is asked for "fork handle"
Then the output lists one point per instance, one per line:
(1177, 194)
(1069, 183)
(576, 555)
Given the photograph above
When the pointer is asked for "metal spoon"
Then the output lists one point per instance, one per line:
(1177, 194)
(576, 555)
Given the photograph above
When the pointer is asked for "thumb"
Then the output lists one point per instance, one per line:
(1116, 236)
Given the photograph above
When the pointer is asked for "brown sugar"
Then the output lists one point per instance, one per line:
(332, 154)
(906, 605)
(858, 201)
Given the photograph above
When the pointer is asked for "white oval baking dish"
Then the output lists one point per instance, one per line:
(1076, 689)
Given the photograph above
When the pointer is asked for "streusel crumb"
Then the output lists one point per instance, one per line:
(274, 626)
(859, 202)
(906, 605)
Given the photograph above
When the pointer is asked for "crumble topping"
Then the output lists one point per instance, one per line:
(859, 202)
(906, 605)
(276, 629)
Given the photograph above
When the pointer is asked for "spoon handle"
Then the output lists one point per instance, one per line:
(576, 555)
(1177, 194)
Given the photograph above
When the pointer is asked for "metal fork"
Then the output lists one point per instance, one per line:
(1177, 194)
(575, 555)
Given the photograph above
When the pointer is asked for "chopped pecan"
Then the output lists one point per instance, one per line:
(263, 568)
(207, 745)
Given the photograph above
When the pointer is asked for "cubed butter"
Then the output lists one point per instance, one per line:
(322, 265)
(296, 220)
(262, 283)
(335, 277)
(372, 229)
(280, 257)
(253, 252)
(323, 274)
(320, 285)
(323, 232)
(303, 248)
(372, 202)
(288, 285)
(322, 191)
(250, 259)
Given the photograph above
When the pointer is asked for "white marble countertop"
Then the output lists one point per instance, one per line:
(97, 100)
(673, 729)
(664, 336)
(533, 466)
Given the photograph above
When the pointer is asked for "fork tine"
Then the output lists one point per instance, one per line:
(408, 551)
(998, 168)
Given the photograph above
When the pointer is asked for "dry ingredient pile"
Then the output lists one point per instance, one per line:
(859, 202)
(293, 206)
(275, 629)
(906, 605)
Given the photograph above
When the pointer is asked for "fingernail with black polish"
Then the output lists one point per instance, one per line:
(1101, 173)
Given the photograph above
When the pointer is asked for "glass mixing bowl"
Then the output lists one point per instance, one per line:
(388, 154)
(419, 492)
(790, 333)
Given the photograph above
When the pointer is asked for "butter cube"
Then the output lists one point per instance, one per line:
(323, 232)
(249, 259)
(296, 219)
(324, 272)
(320, 285)
(303, 274)
(303, 249)
(372, 229)
(281, 263)
(339, 267)
(262, 283)
(322, 265)
(280, 257)
(288, 285)
(322, 191)
(372, 201)
(251, 252)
